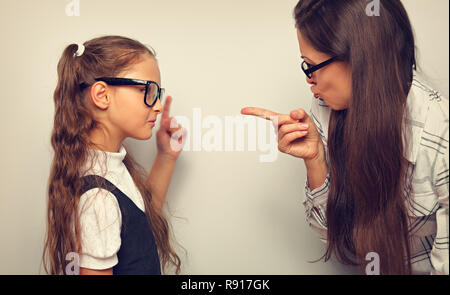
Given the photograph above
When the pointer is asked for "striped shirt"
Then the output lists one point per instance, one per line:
(426, 181)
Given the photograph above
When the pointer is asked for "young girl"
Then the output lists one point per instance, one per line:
(375, 145)
(102, 206)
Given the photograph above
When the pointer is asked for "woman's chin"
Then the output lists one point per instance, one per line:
(335, 107)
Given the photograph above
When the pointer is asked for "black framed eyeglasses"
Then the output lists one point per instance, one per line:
(309, 69)
(152, 90)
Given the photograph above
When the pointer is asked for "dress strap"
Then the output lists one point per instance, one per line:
(94, 181)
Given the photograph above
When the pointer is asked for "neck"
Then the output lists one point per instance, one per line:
(105, 141)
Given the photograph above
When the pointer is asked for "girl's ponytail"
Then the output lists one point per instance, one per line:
(69, 140)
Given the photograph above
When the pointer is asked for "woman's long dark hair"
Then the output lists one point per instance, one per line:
(73, 122)
(366, 210)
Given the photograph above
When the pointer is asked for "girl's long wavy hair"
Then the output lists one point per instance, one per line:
(73, 122)
(366, 210)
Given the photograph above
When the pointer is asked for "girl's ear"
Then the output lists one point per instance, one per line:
(99, 91)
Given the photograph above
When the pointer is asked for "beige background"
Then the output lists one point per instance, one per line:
(238, 216)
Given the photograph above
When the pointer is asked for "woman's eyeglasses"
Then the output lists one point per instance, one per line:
(152, 90)
(309, 69)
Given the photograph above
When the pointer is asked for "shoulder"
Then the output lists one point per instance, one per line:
(101, 205)
(100, 227)
(433, 108)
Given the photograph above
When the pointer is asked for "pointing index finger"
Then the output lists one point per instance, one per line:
(259, 112)
(166, 108)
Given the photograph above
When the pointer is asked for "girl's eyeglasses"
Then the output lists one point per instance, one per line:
(152, 90)
(309, 69)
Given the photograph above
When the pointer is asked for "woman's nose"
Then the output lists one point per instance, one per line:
(310, 80)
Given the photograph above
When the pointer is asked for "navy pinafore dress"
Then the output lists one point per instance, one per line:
(138, 252)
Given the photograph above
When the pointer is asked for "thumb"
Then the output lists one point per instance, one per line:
(298, 114)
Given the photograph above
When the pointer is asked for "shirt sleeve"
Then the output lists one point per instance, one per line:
(315, 201)
(439, 126)
(440, 252)
(100, 224)
(431, 182)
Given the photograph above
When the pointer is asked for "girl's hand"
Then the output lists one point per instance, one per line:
(297, 134)
(170, 136)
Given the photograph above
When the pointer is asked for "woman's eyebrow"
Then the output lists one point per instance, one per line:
(307, 58)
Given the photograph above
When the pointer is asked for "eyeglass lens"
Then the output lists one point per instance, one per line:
(152, 94)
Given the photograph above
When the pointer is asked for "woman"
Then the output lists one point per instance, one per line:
(375, 144)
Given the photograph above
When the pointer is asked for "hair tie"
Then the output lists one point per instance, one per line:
(80, 50)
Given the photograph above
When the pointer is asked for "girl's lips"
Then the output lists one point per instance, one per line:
(316, 95)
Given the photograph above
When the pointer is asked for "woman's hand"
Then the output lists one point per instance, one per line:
(170, 136)
(297, 134)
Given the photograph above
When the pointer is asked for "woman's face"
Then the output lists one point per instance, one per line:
(128, 113)
(333, 82)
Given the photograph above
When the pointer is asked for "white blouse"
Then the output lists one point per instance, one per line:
(99, 211)
(427, 176)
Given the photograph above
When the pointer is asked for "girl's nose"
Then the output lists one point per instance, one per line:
(157, 107)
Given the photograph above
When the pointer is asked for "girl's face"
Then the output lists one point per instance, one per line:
(129, 113)
(126, 113)
(332, 83)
